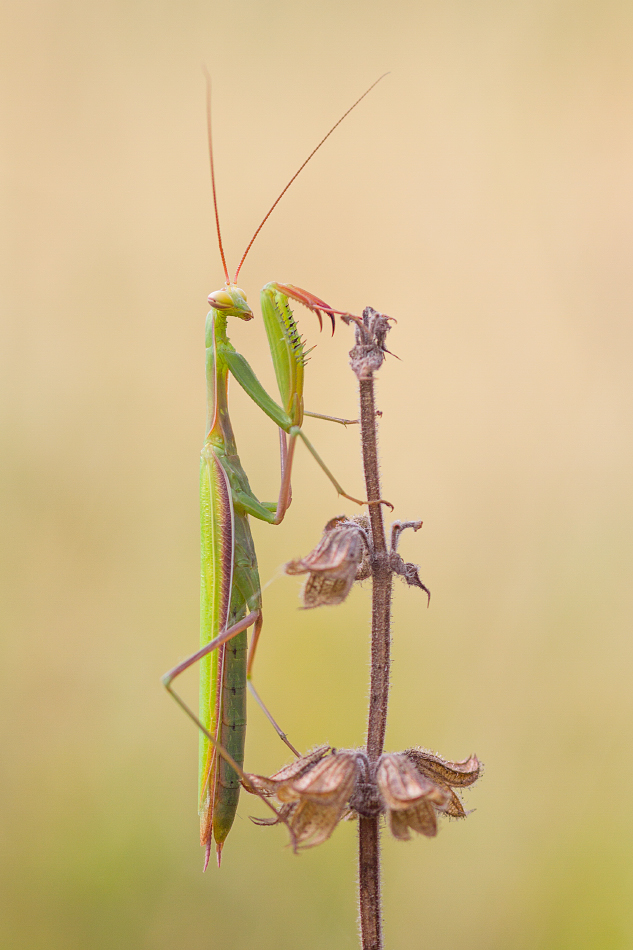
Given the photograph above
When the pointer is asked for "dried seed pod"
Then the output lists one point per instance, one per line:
(444, 772)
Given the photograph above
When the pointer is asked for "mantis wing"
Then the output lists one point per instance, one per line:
(217, 538)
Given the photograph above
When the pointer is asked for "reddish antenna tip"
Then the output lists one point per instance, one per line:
(298, 172)
(207, 855)
(218, 851)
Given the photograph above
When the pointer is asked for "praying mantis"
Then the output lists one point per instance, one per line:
(231, 599)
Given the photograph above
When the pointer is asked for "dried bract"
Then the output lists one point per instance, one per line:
(411, 799)
(340, 558)
(301, 765)
(313, 792)
(407, 571)
(447, 775)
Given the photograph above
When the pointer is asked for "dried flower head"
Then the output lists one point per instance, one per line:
(340, 558)
(371, 332)
(321, 788)
(343, 556)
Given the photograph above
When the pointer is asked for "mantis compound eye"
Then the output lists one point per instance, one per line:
(220, 300)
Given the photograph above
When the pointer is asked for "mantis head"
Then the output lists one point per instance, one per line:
(231, 300)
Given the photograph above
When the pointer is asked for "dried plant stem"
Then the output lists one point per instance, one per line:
(382, 579)
(369, 883)
(369, 831)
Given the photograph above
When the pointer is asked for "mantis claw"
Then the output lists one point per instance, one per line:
(379, 501)
(311, 301)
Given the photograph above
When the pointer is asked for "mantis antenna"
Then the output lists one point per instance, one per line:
(299, 170)
(280, 196)
(215, 198)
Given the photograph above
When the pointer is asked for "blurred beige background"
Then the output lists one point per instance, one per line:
(483, 196)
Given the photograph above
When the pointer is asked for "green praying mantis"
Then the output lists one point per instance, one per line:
(231, 600)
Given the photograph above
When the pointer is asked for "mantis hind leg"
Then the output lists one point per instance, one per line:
(249, 671)
(254, 617)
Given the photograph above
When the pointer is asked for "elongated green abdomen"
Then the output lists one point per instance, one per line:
(229, 590)
(232, 735)
(217, 546)
(245, 597)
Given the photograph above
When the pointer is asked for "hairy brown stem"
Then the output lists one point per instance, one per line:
(381, 585)
(369, 883)
(367, 356)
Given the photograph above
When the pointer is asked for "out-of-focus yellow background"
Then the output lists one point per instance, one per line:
(483, 196)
